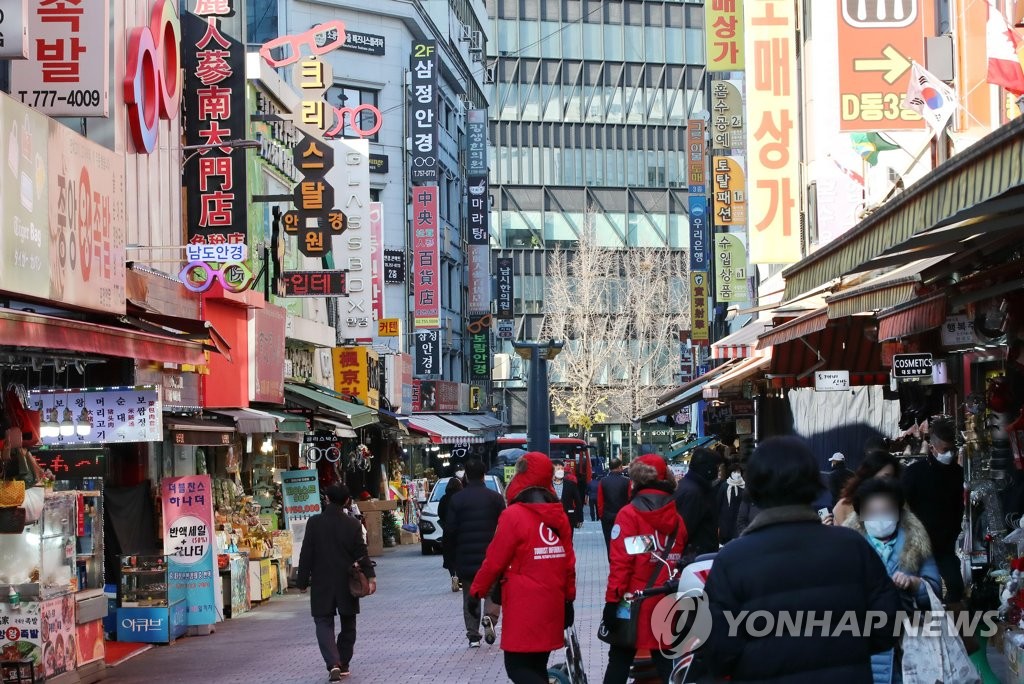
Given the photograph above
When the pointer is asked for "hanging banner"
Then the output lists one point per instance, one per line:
(773, 170)
(377, 258)
(188, 544)
(700, 255)
(101, 416)
(67, 72)
(699, 327)
(723, 30)
(428, 352)
(730, 191)
(423, 113)
(479, 330)
(14, 29)
(394, 266)
(426, 253)
(213, 112)
(730, 268)
(357, 374)
(728, 131)
(478, 278)
(476, 136)
(506, 292)
(696, 176)
(354, 249)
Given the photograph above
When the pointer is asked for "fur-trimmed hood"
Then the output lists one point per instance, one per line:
(916, 546)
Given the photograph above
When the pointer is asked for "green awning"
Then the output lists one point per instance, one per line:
(287, 422)
(312, 398)
(689, 446)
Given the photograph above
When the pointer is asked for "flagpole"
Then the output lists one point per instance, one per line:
(892, 190)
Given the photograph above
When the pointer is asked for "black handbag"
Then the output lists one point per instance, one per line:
(622, 632)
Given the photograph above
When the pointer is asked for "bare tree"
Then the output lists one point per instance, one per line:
(620, 312)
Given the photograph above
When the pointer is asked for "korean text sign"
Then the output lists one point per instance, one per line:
(423, 112)
(300, 490)
(129, 414)
(773, 170)
(730, 268)
(357, 374)
(394, 266)
(730, 190)
(354, 248)
(428, 352)
(506, 288)
(728, 131)
(695, 151)
(699, 233)
(480, 347)
(699, 308)
(377, 265)
(723, 27)
(426, 249)
(188, 543)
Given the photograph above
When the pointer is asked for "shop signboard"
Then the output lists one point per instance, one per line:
(730, 268)
(506, 328)
(479, 211)
(188, 536)
(300, 491)
(510, 472)
(479, 330)
(428, 352)
(213, 113)
(57, 622)
(269, 328)
(423, 113)
(699, 328)
(351, 175)
(21, 633)
(742, 408)
(476, 134)
(911, 366)
(177, 387)
(357, 374)
(389, 327)
(72, 464)
(728, 131)
(437, 395)
(367, 43)
(773, 169)
(114, 416)
(957, 331)
(394, 266)
(67, 72)
(723, 21)
(695, 144)
(407, 363)
(426, 251)
(378, 163)
(831, 381)
(14, 29)
(151, 625)
(730, 190)
(506, 289)
(699, 233)
(377, 258)
(877, 43)
(314, 283)
(315, 219)
(478, 278)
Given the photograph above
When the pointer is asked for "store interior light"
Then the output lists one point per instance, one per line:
(84, 426)
(268, 446)
(67, 426)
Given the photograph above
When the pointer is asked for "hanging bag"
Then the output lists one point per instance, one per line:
(12, 489)
(935, 657)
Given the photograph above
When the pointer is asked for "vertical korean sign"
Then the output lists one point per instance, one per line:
(213, 113)
(699, 233)
(188, 544)
(700, 333)
(730, 268)
(478, 256)
(351, 177)
(428, 352)
(426, 255)
(67, 72)
(423, 112)
(479, 329)
(723, 22)
(696, 176)
(728, 131)
(506, 293)
(773, 171)
(730, 196)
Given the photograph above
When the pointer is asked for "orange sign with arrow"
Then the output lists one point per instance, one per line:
(878, 40)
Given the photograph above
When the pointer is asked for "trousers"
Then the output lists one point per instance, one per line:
(336, 651)
(471, 611)
(620, 660)
(527, 668)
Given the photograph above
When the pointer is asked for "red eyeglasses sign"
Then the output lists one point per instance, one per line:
(152, 82)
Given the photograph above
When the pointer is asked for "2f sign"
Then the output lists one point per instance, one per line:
(13, 29)
(423, 51)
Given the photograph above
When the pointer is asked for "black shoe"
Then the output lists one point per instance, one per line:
(488, 625)
(335, 675)
(474, 643)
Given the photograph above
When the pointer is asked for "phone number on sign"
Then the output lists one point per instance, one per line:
(48, 98)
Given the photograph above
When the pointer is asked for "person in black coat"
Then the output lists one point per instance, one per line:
(612, 497)
(469, 527)
(569, 493)
(332, 545)
(730, 497)
(451, 488)
(696, 503)
(788, 563)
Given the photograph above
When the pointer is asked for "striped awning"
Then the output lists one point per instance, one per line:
(741, 344)
(816, 321)
(989, 173)
(441, 431)
(737, 376)
(913, 319)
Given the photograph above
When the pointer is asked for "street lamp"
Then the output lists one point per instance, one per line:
(538, 417)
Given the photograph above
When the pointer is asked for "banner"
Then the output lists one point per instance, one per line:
(351, 175)
(377, 264)
(506, 291)
(695, 145)
(102, 416)
(428, 352)
(268, 330)
(773, 169)
(730, 191)
(730, 268)
(728, 131)
(478, 278)
(188, 544)
(699, 326)
(423, 112)
(479, 330)
(357, 374)
(300, 491)
(699, 234)
(723, 30)
(426, 253)
(476, 135)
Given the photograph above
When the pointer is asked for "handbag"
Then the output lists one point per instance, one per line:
(12, 492)
(12, 520)
(358, 583)
(623, 631)
(931, 657)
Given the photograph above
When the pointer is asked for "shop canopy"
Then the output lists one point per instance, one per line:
(250, 421)
(441, 431)
(688, 447)
(177, 327)
(895, 288)
(737, 376)
(339, 429)
(289, 422)
(740, 344)
(322, 399)
(672, 394)
(847, 344)
(687, 394)
(198, 431)
(392, 420)
(477, 423)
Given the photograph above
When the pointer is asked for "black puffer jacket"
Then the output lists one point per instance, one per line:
(786, 562)
(469, 528)
(695, 501)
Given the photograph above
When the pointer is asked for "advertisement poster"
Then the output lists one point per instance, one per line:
(21, 635)
(188, 543)
(426, 258)
(90, 642)
(723, 21)
(57, 627)
(300, 490)
(114, 416)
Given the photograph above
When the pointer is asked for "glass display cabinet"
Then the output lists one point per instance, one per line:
(150, 609)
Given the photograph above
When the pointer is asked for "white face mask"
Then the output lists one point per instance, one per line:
(945, 458)
(559, 473)
(880, 529)
(460, 474)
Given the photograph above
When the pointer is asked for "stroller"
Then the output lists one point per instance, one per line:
(571, 671)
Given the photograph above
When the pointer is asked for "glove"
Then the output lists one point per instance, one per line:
(608, 615)
(570, 614)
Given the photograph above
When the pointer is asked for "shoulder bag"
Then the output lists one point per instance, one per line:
(358, 582)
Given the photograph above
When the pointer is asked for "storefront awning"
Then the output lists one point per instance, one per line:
(672, 394)
(816, 321)
(197, 432)
(913, 319)
(692, 394)
(308, 396)
(288, 422)
(249, 422)
(55, 334)
(180, 328)
(688, 447)
(441, 431)
(474, 422)
(737, 376)
(392, 421)
(741, 344)
(339, 429)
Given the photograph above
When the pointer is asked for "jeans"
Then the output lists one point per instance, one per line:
(471, 611)
(593, 511)
(949, 569)
(620, 660)
(527, 668)
(336, 652)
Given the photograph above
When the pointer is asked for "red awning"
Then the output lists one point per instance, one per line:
(912, 319)
(813, 322)
(846, 344)
(29, 330)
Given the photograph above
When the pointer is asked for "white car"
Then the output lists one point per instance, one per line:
(430, 525)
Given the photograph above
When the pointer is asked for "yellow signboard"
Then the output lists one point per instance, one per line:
(699, 327)
(730, 268)
(727, 128)
(723, 27)
(730, 190)
(357, 374)
(389, 327)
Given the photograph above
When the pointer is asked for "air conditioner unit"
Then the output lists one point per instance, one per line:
(502, 367)
(467, 34)
(476, 54)
(477, 41)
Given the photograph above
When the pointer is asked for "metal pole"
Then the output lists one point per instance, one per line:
(538, 406)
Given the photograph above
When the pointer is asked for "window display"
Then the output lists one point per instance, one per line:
(150, 609)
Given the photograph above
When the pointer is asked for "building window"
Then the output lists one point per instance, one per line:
(262, 21)
(347, 96)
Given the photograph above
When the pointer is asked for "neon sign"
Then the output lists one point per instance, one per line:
(152, 82)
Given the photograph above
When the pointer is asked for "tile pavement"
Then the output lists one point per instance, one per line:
(410, 631)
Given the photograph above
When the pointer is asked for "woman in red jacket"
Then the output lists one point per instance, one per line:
(651, 511)
(532, 557)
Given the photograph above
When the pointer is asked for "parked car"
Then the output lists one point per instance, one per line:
(430, 526)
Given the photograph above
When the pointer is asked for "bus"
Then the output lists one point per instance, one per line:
(576, 453)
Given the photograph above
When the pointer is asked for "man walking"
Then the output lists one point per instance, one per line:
(470, 524)
(592, 498)
(838, 477)
(695, 502)
(332, 545)
(568, 492)
(612, 495)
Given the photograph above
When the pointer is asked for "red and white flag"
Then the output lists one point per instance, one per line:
(1002, 46)
(852, 175)
(931, 98)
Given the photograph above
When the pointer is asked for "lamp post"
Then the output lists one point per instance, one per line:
(538, 404)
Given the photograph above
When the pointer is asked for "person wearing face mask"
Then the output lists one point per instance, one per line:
(569, 494)
(877, 463)
(934, 490)
(902, 543)
(730, 496)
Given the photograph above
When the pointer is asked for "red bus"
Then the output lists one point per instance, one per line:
(574, 451)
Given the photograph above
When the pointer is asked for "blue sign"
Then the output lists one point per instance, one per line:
(152, 625)
(700, 249)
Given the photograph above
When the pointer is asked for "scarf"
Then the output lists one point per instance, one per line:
(884, 548)
(734, 484)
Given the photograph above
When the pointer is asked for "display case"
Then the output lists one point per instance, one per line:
(149, 608)
(40, 561)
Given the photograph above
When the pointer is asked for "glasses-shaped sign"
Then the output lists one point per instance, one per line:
(479, 325)
(319, 40)
(198, 276)
(314, 454)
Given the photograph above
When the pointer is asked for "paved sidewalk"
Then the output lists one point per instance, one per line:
(410, 631)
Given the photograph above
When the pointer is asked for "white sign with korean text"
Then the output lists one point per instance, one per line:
(117, 415)
(353, 250)
(67, 71)
(14, 29)
(832, 381)
(957, 331)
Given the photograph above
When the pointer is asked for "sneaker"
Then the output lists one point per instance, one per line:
(345, 672)
(488, 625)
(456, 584)
(474, 644)
(335, 674)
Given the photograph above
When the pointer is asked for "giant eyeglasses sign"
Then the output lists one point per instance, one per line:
(223, 263)
(152, 82)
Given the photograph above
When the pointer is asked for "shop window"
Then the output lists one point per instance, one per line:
(347, 96)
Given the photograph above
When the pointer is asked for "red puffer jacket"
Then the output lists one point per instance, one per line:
(532, 551)
(650, 512)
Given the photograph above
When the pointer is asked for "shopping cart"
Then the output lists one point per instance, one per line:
(571, 671)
